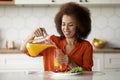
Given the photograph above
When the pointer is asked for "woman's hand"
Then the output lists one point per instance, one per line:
(40, 32)
(60, 57)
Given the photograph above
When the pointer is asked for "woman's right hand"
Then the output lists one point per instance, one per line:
(40, 32)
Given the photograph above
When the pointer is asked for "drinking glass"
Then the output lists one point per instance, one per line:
(60, 61)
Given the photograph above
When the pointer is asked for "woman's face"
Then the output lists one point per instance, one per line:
(68, 26)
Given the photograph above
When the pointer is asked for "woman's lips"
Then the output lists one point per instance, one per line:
(67, 32)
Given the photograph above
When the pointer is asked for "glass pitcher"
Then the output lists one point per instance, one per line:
(38, 45)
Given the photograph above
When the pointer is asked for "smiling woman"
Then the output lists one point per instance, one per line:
(73, 23)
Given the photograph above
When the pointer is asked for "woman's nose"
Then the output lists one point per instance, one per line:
(66, 27)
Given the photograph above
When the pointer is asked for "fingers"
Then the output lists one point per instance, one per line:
(62, 59)
(40, 32)
(44, 31)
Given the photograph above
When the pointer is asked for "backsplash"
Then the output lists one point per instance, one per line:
(17, 22)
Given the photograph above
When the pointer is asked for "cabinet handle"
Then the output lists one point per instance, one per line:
(80, 0)
(86, 0)
(53, 0)
(109, 60)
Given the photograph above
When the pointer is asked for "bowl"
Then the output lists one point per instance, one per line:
(98, 43)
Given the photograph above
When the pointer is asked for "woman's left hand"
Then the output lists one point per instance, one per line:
(61, 57)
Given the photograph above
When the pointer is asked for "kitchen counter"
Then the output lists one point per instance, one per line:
(3, 51)
(106, 50)
(94, 75)
(9, 51)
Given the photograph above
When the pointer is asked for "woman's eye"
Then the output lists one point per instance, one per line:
(63, 24)
(70, 24)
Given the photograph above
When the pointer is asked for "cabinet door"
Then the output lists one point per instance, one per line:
(32, 1)
(20, 62)
(98, 61)
(99, 1)
(112, 61)
(63, 1)
(104, 1)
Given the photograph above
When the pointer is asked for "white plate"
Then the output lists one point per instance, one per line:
(64, 74)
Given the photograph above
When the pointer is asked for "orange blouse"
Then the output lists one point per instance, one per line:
(82, 54)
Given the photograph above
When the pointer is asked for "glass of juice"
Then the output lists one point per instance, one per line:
(58, 65)
(36, 46)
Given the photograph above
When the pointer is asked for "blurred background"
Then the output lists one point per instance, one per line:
(18, 21)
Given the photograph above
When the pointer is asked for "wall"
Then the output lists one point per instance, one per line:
(17, 22)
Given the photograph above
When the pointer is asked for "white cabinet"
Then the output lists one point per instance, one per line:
(59, 2)
(64, 1)
(98, 62)
(32, 1)
(112, 61)
(20, 62)
(100, 1)
(106, 61)
(104, 1)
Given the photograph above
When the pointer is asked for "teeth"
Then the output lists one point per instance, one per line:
(66, 32)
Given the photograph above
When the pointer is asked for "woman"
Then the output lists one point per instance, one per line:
(73, 23)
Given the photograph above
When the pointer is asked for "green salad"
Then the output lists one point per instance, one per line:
(76, 69)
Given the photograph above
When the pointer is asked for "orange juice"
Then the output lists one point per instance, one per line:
(60, 67)
(56, 63)
(34, 49)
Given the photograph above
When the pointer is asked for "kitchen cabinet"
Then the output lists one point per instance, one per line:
(33, 2)
(59, 2)
(20, 62)
(98, 62)
(64, 1)
(49, 2)
(112, 61)
(106, 61)
(104, 1)
(14, 60)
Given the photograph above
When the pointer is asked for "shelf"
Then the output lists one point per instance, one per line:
(6, 2)
(2, 51)
(106, 50)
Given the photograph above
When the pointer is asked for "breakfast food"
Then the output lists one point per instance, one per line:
(76, 70)
(73, 70)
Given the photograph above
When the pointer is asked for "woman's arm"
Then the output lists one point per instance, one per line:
(23, 46)
(88, 58)
(37, 33)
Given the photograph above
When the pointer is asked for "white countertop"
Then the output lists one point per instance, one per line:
(14, 51)
(95, 75)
